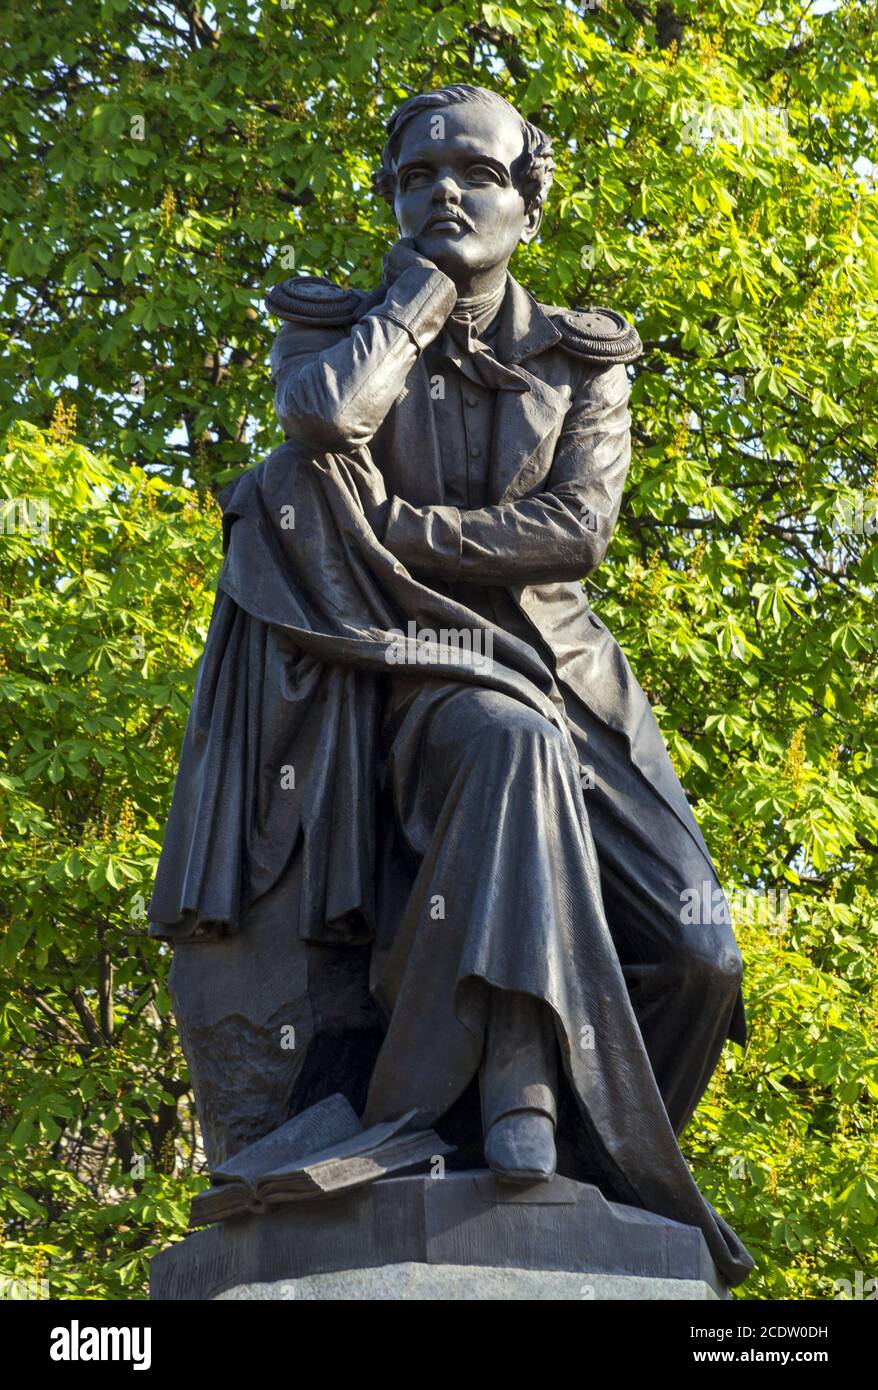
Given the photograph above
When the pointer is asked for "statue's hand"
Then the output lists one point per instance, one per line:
(403, 256)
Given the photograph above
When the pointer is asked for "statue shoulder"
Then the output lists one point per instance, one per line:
(596, 335)
(314, 299)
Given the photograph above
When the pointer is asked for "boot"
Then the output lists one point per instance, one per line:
(518, 1079)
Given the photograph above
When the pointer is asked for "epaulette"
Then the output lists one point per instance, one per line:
(314, 299)
(597, 335)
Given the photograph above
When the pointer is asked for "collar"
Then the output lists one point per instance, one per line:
(520, 330)
(523, 329)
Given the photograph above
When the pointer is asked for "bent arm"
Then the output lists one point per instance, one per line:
(333, 388)
(559, 534)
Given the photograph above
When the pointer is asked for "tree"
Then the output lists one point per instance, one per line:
(162, 166)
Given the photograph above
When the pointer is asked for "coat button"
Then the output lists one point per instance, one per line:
(475, 451)
(471, 400)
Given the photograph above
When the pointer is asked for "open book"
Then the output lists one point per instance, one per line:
(320, 1152)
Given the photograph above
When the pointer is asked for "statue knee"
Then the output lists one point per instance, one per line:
(525, 731)
(711, 965)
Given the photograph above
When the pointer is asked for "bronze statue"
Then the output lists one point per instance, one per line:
(427, 847)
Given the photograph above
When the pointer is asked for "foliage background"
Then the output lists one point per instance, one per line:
(131, 274)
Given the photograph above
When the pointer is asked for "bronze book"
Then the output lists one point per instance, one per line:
(289, 1166)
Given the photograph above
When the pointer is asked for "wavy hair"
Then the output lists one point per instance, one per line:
(533, 178)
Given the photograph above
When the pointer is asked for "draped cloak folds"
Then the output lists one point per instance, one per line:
(279, 759)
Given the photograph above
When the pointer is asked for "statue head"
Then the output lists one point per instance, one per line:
(466, 176)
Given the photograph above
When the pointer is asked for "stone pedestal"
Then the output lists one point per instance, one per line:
(412, 1283)
(461, 1237)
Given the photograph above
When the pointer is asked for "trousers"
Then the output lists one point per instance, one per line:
(497, 820)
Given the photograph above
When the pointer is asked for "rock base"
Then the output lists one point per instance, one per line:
(462, 1236)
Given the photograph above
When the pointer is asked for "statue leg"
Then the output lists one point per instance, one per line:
(683, 975)
(518, 1080)
(478, 784)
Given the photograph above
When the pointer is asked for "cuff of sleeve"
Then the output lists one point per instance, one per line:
(427, 540)
(420, 302)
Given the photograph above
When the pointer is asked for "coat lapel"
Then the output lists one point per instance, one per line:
(527, 422)
(526, 426)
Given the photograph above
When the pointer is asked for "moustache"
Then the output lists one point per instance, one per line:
(446, 215)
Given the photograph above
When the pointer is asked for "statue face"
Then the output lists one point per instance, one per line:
(455, 193)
